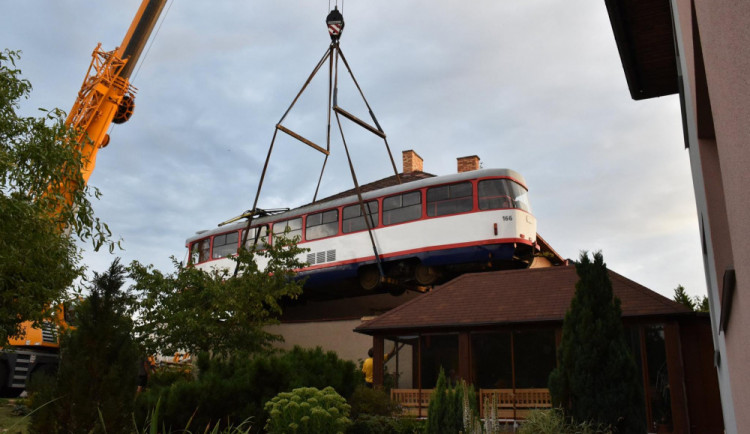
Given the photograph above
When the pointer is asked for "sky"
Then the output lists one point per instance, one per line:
(536, 86)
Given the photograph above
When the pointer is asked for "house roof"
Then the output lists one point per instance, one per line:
(380, 183)
(644, 36)
(508, 297)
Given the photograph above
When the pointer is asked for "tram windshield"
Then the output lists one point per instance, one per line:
(502, 193)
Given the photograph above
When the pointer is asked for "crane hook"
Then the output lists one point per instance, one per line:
(335, 23)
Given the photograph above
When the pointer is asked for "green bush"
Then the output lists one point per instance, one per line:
(307, 410)
(597, 378)
(373, 402)
(553, 422)
(229, 391)
(98, 371)
(374, 424)
(452, 408)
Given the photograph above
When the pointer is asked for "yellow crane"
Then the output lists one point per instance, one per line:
(106, 96)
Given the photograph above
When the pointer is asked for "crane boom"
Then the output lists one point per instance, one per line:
(106, 95)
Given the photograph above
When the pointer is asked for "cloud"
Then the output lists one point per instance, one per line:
(534, 86)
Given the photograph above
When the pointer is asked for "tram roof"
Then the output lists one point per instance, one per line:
(382, 187)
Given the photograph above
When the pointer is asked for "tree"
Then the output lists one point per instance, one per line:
(701, 303)
(596, 378)
(696, 304)
(96, 382)
(216, 312)
(38, 261)
(680, 296)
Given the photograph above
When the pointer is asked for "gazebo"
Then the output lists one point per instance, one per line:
(500, 330)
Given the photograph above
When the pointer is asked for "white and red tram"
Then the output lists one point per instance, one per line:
(424, 232)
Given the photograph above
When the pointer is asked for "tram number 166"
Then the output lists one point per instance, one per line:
(507, 218)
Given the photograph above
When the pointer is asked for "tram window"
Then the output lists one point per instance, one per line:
(261, 241)
(322, 224)
(294, 225)
(353, 220)
(402, 208)
(225, 244)
(502, 193)
(199, 251)
(449, 199)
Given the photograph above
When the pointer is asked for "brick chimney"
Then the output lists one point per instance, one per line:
(467, 164)
(412, 161)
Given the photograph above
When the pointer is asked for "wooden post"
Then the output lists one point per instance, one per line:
(646, 380)
(464, 356)
(377, 362)
(419, 375)
(676, 372)
(513, 371)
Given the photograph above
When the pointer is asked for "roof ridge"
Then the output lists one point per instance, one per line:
(648, 292)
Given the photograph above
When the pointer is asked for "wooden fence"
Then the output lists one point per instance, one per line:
(508, 404)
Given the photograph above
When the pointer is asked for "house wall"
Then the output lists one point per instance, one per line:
(338, 336)
(714, 50)
(330, 325)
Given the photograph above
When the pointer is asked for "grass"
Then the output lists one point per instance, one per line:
(10, 423)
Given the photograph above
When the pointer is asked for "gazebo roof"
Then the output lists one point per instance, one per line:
(509, 297)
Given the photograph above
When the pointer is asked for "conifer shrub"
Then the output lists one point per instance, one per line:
(307, 410)
(452, 409)
(596, 379)
(98, 372)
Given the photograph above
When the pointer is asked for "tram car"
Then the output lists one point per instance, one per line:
(424, 232)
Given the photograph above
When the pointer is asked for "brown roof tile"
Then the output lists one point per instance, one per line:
(514, 296)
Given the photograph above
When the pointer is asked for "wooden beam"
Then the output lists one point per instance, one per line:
(676, 372)
(378, 347)
(301, 139)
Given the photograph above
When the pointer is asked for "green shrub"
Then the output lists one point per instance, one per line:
(373, 402)
(307, 410)
(597, 378)
(553, 422)
(229, 391)
(452, 408)
(98, 371)
(374, 424)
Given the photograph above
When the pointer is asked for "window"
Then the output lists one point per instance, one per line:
(502, 193)
(263, 239)
(354, 221)
(294, 225)
(402, 208)
(449, 199)
(225, 244)
(322, 224)
(199, 251)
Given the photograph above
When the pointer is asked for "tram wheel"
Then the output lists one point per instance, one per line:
(369, 278)
(426, 275)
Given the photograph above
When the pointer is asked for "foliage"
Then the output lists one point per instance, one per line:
(98, 370)
(216, 312)
(230, 390)
(596, 378)
(697, 303)
(370, 401)
(701, 303)
(553, 422)
(37, 166)
(375, 424)
(452, 408)
(307, 410)
(680, 296)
